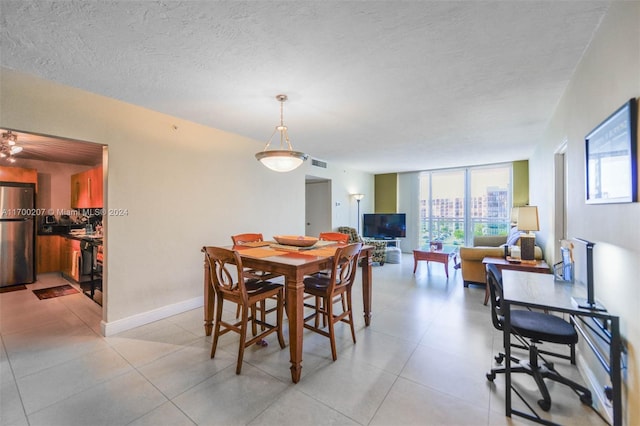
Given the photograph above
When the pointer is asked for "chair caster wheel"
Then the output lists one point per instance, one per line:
(499, 358)
(545, 405)
(586, 399)
(491, 376)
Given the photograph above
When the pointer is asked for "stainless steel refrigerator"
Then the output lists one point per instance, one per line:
(17, 233)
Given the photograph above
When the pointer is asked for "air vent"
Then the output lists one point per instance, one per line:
(318, 163)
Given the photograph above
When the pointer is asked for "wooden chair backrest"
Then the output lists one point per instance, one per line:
(225, 273)
(334, 236)
(345, 265)
(246, 238)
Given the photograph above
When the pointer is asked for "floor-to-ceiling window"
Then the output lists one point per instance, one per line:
(459, 203)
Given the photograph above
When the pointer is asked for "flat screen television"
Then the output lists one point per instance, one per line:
(384, 226)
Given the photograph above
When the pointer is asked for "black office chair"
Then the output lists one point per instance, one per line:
(532, 328)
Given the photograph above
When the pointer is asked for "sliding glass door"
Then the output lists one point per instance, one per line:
(457, 204)
(490, 207)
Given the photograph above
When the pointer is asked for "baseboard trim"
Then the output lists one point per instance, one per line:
(124, 324)
(600, 401)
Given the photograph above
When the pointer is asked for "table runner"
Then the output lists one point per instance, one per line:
(260, 252)
(256, 243)
(324, 251)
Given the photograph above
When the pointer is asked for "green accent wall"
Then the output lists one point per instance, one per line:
(386, 193)
(520, 183)
(386, 188)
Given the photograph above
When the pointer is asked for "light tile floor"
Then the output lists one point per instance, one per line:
(421, 362)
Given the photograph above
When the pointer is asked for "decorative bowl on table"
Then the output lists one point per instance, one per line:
(294, 240)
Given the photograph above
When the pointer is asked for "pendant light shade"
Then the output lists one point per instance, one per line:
(284, 159)
(8, 147)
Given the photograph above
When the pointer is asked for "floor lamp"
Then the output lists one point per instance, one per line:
(358, 197)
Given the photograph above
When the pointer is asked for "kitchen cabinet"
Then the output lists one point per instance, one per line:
(48, 253)
(69, 257)
(96, 187)
(86, 189)
(18, 174)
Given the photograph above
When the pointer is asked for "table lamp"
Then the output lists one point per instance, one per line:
(528, 222)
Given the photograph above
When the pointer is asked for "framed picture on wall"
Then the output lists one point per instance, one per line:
(612, 158)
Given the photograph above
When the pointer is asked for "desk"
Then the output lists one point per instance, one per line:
(540, 291)
(537, 266)
(294, 266)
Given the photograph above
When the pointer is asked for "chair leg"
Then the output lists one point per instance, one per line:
(216, 327)
(328, 301)
(280, 317)
(349, 300)
(316, 321)
(539, 373)
(243, 337)
(538, 377)
(263, 313)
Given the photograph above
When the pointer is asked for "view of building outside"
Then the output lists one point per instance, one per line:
(454, 203)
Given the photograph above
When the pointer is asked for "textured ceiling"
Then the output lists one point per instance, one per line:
(379, 86)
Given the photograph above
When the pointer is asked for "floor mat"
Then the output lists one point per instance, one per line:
(13, 288)
(61, 290)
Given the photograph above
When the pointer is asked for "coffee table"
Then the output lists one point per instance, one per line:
(441, 256)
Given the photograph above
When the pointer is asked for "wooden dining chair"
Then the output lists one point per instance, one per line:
(334, 236)
(240, 239)
(229, 284)
(325, 289)
(339, 238)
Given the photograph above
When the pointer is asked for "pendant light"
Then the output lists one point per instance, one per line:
(8, 147)
(284, 159)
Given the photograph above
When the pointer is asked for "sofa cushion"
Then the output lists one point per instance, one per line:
(514, 236)
(479, 253)
(489, 240)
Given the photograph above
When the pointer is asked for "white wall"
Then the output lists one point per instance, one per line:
(607, 77)
(345, 182)
(182, 185)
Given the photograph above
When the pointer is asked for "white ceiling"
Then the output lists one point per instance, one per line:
(379, 86)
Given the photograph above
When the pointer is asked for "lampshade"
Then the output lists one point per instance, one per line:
(281, 160)
(284, 159)
(358, 196)
(528, 218)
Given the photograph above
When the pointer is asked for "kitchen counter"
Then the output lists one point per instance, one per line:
(57, 229)
(96, 240)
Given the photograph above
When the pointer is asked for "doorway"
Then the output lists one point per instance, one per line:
(57, 160)
(560, 197)
(317, 205)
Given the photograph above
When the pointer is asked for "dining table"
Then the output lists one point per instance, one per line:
(294, 265)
